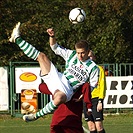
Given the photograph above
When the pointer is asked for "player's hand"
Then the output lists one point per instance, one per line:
(99, 107)
(50, 31)
(89, 111)
(78, 99)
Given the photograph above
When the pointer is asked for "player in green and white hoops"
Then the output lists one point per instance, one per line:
(78, 70)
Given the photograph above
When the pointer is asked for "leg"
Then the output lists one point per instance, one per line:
(98, 116)
(89, 119)
(59, 98)
(45, 65)
(33, 53)
(99, 126)
(27, 48)
(69, 116)
(92, 127)
(30, 51)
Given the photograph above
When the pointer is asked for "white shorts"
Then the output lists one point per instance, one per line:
(57, 81)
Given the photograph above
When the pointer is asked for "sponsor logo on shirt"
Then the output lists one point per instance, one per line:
(78, 72)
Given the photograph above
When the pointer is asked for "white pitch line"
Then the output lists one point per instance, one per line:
(86, 130)
(24, 126)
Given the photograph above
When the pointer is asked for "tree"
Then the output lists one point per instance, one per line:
(108, 27)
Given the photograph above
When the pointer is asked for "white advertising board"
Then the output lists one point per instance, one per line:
(119, 93)
(4, 90)
(27, 78)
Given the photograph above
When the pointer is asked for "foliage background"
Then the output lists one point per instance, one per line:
(108, 27)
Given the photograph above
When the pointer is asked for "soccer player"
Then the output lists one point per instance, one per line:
(79, 69)
(95, 120)
(67, 118)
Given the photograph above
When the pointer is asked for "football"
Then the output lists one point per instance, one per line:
(77, 15)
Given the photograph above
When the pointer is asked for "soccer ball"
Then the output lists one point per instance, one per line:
(77, 15)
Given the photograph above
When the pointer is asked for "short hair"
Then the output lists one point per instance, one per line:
(92, 55)
(82, 44)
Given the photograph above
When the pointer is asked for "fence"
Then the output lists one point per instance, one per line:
(123, 69)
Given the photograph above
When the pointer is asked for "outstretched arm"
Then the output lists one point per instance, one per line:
(52, 39)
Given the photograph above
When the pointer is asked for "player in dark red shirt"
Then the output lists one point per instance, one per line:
(67, 118)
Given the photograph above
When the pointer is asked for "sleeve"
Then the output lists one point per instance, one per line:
(102, 83)
(94, 78)
(87, 95)
(59, 50)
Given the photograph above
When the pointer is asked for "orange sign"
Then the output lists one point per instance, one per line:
(28, 101)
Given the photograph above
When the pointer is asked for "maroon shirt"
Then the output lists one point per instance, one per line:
(68, 116)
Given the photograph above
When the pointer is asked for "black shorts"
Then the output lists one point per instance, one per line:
(95, 116)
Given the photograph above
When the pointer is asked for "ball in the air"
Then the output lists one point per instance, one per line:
(77, 15)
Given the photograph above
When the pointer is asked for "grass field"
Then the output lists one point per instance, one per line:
(122, 123)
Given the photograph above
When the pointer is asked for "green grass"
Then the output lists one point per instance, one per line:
(122, 123)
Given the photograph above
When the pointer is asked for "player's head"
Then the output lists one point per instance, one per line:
(92, 55)
(82, 49)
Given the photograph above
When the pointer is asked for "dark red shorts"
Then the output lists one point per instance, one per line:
(63, 129)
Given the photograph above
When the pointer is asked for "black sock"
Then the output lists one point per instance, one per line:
(95, 131)
(102, 131)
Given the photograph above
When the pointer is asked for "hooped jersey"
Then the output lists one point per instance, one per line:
(77, 72)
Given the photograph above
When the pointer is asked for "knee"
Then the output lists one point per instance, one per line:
(59, 98)
(41, 56)
(91, 126)
(99, 126)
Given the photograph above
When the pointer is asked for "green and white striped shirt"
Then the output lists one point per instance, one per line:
(77, 72)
